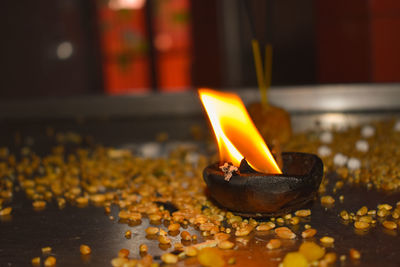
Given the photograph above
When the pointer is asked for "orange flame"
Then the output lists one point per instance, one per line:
(236, 134)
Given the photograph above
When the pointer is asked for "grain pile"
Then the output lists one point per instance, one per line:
(142, 188)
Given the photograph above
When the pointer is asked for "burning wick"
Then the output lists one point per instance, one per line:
(228, 169)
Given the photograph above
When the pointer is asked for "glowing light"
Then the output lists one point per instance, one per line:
(236, 134)
(126, 4)
(65, 50)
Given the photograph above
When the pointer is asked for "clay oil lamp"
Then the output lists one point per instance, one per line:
(247, 180)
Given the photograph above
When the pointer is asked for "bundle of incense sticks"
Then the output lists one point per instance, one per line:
(263, 77)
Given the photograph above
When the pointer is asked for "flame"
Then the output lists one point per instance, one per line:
(236, 134)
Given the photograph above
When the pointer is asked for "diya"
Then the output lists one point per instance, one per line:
(247, 180)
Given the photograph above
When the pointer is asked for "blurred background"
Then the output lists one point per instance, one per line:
(83, 47)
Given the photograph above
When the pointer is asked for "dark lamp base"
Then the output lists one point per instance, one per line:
(254, 194)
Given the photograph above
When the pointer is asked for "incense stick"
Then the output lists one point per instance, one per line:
(268, 68)
(263, 79)
(259, 71)
(246, 5)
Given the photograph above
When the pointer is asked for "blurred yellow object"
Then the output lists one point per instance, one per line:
(295, 259)
(210, 257)
(272, 122)
(311, 251)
